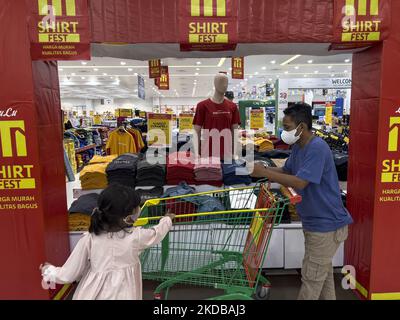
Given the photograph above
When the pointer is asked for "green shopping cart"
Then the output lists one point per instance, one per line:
(219, 249)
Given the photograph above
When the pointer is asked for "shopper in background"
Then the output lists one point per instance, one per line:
(310, 170)
(106, 260)
(335, 121)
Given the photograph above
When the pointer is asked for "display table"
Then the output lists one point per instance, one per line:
(286, 248)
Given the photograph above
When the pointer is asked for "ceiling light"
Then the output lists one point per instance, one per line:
(347, 60)
(60, 69)
(84, 63)
(230, 69)
(73, 74)
(104, 74)
(329, 67)
(111, 77)
(305, 76)
(264, 68)
(316, 71)
(251, 77)
(277, 75)
(286, 72)
(332, 75)
(198, 62)
(310, 61)
(83, 78)
(270, 79)
(95, 69)
(196, 74)
(221, 62)
(256, 73)
(246, 79)
(135, 74)
(273, 61)
(290, 60)
(345, 71)
(130, 69)
(198, 69)
(123, 63)
(297, 67)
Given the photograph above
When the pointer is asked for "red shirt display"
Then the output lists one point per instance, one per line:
(220, 117)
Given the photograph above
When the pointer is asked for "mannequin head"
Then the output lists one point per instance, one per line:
(221, 83)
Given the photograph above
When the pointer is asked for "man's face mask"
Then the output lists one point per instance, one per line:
(289, 137)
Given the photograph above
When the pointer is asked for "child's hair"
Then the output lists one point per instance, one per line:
(114, 203)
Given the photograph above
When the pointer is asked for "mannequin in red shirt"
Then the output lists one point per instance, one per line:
(218, 119)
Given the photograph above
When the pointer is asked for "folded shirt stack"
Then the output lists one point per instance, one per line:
(148, 174)
(122, 170)
(235, 173)
(208, 171)
(180, 167)
(263, 145)
(99, 159)
(93, 176)
(84, 204)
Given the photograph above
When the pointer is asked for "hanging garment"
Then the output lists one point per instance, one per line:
(120, 142)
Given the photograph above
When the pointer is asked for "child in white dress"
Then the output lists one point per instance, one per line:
(106, 259)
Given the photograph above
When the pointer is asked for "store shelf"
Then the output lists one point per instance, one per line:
(83, 149)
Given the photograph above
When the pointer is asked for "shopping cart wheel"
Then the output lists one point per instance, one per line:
(158, 296)
(263, 292)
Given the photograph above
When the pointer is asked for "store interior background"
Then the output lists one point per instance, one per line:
(102, 85)
(105, 84)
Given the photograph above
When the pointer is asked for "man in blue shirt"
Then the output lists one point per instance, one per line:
(311, 171)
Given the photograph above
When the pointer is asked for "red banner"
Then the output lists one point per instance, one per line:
(359, 23)
(154, 68)
(59, 29)
(208, 25)
(238, 68)
(163, 82)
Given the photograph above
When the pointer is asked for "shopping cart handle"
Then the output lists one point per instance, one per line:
(291, 194)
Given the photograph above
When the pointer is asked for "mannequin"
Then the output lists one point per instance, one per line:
(216, 114)
(220, 86)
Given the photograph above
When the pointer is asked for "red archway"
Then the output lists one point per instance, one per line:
(34, 230)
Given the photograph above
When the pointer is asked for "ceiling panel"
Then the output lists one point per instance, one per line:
(115, 78)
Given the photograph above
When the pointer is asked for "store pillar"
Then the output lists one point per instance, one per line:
(374, 183)
(33, 220)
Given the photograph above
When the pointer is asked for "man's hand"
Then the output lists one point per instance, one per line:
(259, 171)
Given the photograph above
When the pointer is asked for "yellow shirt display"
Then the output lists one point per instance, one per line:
(120, 142)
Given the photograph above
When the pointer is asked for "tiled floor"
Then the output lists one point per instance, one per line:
(284, 287)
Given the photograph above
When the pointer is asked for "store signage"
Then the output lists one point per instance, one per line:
(186, 121)
(163, 82)
(141, 88)
(208, 25)
(328, 114)
(257, 118)
(159, 129)
(320, 83)
(97, 120)
(125, 113)
(18, 171)
(154, 68)
(238, 68)
(391, 166)
(361, 22)
(59, 29)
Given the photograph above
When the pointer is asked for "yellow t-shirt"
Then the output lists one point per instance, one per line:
(120, 143)
(100, 159)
